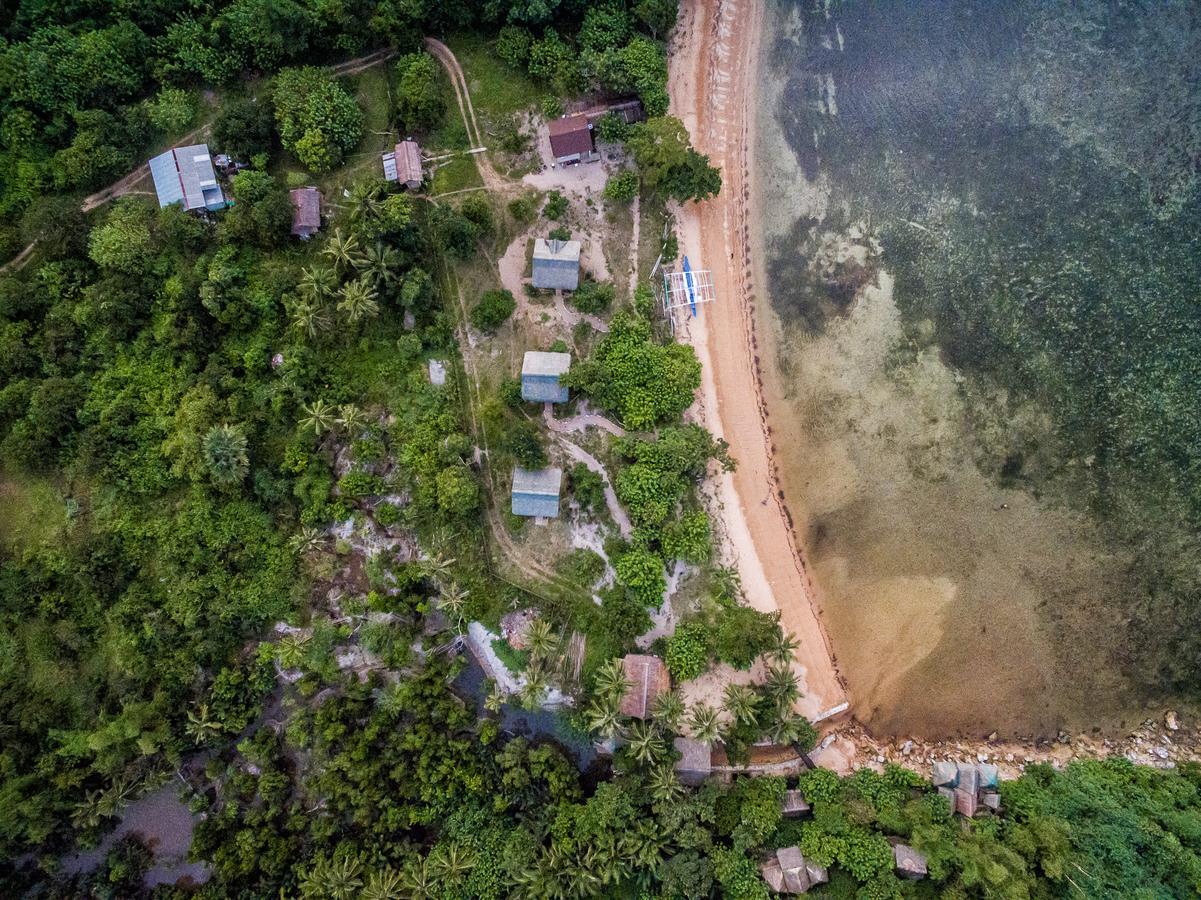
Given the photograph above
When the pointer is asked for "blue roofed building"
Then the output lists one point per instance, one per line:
(556, 265)
(536, 492)
(540, 374)
(185, 175)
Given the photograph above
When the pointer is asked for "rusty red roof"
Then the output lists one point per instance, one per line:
(306, 211)
(569, 135)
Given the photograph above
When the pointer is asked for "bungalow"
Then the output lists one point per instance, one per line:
(185, 175)
(306, 212)
(536, 492)
(540, 373)
(571, 140)
(648, 678)
(556, 265)
(403, 165)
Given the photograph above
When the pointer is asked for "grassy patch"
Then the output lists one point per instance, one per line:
(515, 660)
(498, 91)
(456, 175)
(33, 511)
(373, 92)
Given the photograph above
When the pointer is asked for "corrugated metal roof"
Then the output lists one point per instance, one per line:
(545, 362)
(536, 491)
(556, 265)
(306, 211)
(543, 389)
(185, 175)
(569, 136)
(408, 163)
(389, 159)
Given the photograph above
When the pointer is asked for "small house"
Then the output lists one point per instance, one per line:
(403, 165)
(695, 762)
(648, 678)
(540, 374)
(788, 872)
(437, 372)
(907, 862)
(306, 212)
(536, 492)
(185, 175)
(571, 140)
(556, 265)
(967, 786)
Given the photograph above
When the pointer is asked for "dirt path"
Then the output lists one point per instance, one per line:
(355, 66)
(492, 181)
(18, 262)
(615, 510)
(713, 67)
(580, 422)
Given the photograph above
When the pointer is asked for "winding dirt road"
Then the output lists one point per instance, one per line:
(713, 67)
(444, 55)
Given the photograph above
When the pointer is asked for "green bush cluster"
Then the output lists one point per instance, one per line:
(493, 310)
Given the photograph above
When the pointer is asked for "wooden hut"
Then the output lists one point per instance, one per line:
(648, 679)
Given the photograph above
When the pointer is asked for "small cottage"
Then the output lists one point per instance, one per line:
(403, 165)
(540, 373)
(571, 140)
(648, 678)
(185, 175)
(306, 212)
(556, 265)
(536, 492)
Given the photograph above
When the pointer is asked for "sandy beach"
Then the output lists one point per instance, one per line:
(713, 65)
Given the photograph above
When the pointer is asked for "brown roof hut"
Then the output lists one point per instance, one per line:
(306, 212)
(571, 139)
(403, 165)
(648, 679)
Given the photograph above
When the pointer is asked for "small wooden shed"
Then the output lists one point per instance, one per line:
(648, 679)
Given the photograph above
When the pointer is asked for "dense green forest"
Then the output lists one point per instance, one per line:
(1031, 176)
(190, 407)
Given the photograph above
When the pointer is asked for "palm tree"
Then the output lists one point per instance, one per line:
(541, 639)
(437, 566)
(384, 884)
(451, 599)
(664, 785)
(306, 540)
(201, 728)
(611, 682)
(358, 301)
(450, 862)
(495, 699)
(603, 718)
(291, 650)
(646, 746)
(783, 646)
(225, 454)
(309, 318)
(364, 201)
(379, 263)
(668, 710)
(418, 881)
(342, 249)
(318, 416)
(787, 729)
(90, 811)
(318, 283)
(780, 686)
(351, 419)
(643, 846)
(340, 878)
(742, 703)
(704, 723)
(535, 686)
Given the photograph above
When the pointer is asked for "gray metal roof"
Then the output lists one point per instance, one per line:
(185, 175)
(540, 373)
(536, 491)
(556, 265)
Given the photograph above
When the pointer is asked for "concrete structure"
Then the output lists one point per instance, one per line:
(403, 165)
(556, 265)
(540, 374)
(967, 786)
(648, 679)
(695, 762)
(571, 140)
(907, 862)
(437, 372)
(793, 804)
(306, 212)
(185, 175)
(789, 873)
(536, 492)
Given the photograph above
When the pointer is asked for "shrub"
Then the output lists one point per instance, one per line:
(612, 129)
(477, 210)
(623, 617)
(561, 233)
(493, 310)
(419, 103)
(688, 539)
(318, 120)
(522, 208)
(358, 483)
(552, 107)
(521, 439)
(592, 297)
(243, 127)
(172, 109)
(687, 652)
(743, 634)
(587, 487)
(622, 187)
(387, 514)
(641, 573)
(556, 206)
